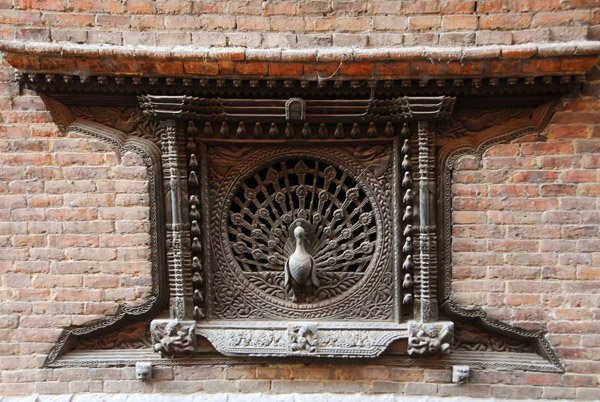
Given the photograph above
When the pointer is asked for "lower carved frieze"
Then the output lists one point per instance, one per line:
(300, 339)
(428, 339)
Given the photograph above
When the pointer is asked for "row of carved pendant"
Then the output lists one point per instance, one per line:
(273, 132)
(195, 232)
(407, 217)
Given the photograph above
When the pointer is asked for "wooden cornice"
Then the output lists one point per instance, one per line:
(420, 63)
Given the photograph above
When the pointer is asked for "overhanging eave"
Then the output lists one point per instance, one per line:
(528, 60)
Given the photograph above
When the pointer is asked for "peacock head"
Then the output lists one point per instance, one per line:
(299, 232)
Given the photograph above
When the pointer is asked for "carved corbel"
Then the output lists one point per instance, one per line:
(173, 338)
(427, 339)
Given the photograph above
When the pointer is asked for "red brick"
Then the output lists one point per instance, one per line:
(457, 6)
(579, 176)
(253, 23)
(493, 38)
(285, 69)
(357, 69)
(578, 64)
(209, 7)
(344, 7)
(77, 295)
(147, 21)
(251, 68)
(547, 148)
(141, 6)
(287, 24)
(504, 21)
(390, 23)
(421, 6)
(115, 21)
(556, 18)
(560, 132)
(459, 22)
(218, 22)
(353, 24)
(281, 8)
(424, 22)
(557, 190)
(56, 5)
(386, 7)
(320, 24)
(174, 6)
(68, 20)
(534, 176)
(166, 67)
(101, 281)
(535, 5)
(107, 6)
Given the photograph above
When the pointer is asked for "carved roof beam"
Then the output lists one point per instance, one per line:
(544, 82)
(403, 109)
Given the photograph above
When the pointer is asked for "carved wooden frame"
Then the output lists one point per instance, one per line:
(181, 308)
(476, 146)
(150, 154)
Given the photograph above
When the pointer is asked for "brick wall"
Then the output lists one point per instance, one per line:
(526, 235)
(74, 236)
(74, 239)
(255, 23)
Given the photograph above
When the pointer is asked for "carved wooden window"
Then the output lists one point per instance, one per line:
(295, 224)
(305, 236)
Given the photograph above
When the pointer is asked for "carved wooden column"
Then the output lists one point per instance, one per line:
(426, 258)
(175, 336)
(426, 335)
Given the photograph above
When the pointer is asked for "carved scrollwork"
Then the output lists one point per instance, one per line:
(132, 336)
(129, 120)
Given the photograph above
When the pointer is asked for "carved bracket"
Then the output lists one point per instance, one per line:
(428, 339)
(173, 338)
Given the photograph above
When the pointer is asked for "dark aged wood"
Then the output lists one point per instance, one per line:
(66, 86)
(259, 254)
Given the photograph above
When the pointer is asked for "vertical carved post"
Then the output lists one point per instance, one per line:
(175, 226)
(426, 301)
(427, 335)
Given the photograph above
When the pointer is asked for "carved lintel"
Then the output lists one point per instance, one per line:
(406, 108)
(301, 339)
(428, 339)
(173, 338)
